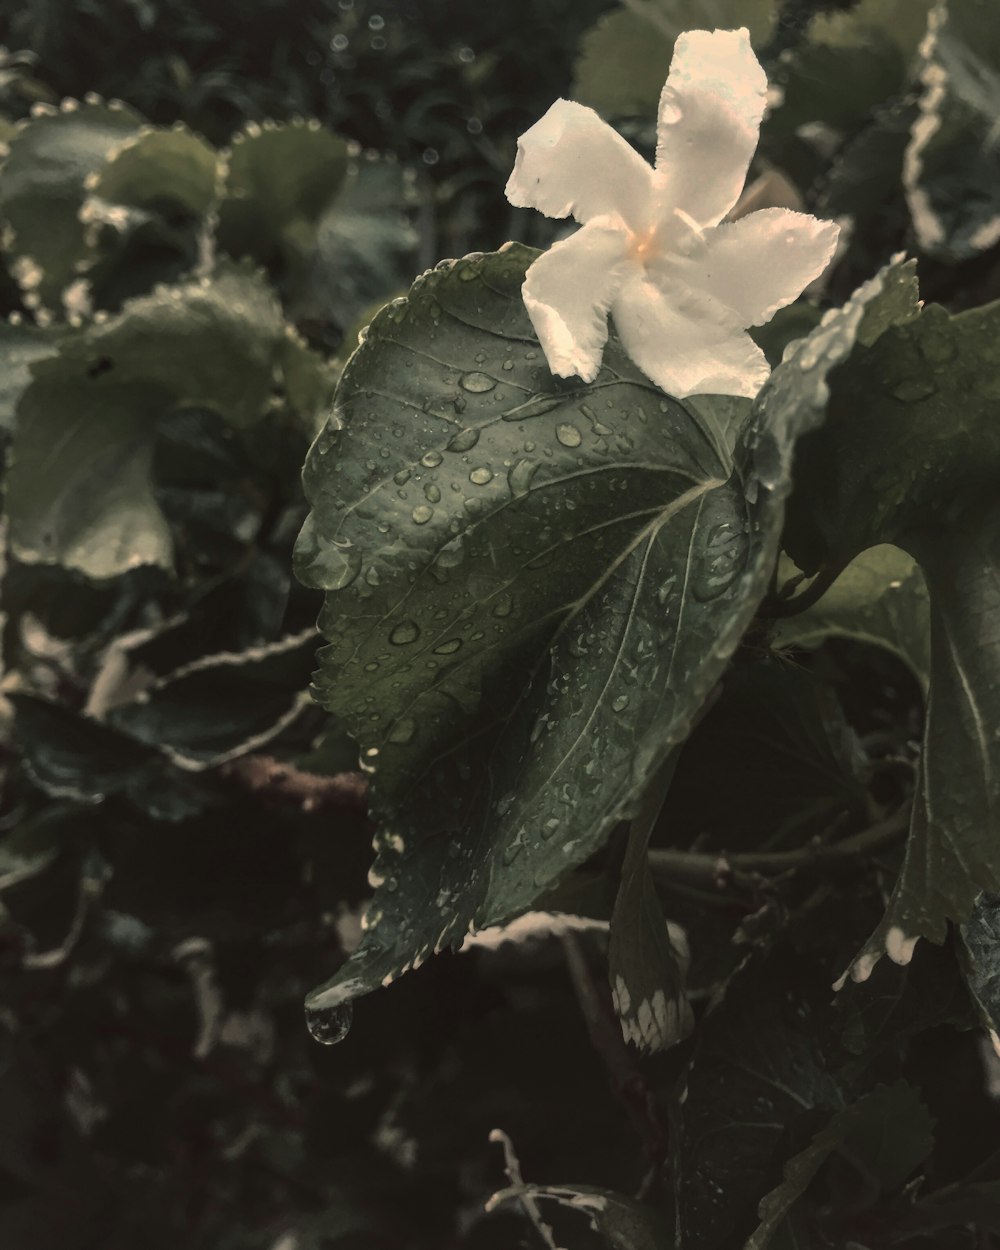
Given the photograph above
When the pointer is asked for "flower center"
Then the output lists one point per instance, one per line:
(643, 246)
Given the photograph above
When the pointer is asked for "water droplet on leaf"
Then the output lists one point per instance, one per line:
(519, 477)
(464, 440)
(569, 435)
(405, 632)
(329, 1025)
(478, 383)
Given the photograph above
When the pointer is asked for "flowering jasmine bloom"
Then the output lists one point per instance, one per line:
(651, 251)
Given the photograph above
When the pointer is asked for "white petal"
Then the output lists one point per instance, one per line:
(573, 162)
(567, 293)
(760, 263)
(683, 352)
(709, 120)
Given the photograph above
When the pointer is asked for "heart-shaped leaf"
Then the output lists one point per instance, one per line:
(534, 584)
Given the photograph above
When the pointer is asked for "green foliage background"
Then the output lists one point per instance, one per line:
(185, 847)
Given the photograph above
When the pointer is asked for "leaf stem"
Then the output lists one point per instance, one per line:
(722, 870)
(815, 591)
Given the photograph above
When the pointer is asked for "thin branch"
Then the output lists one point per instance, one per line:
(720, 869)
(266, 775)
(513, 1169)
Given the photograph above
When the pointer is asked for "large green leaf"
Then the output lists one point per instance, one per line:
(951, 171)
(910, 454)
(78, 487)
(52, 155)
(534, 585)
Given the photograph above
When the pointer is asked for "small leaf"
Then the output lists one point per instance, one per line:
(43, 187)
(881, 599)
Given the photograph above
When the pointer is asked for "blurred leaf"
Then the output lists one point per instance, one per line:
(222, 706)
(880, 598)
(279, 179)
(952, 164)
(74, 757)
(43, 188)
(888, 1133)
(20, 346)
(790, 763)
(624, 57)
(365, 248)
(79, 490)
(895, 1003)
(157, 172)
(813, 80)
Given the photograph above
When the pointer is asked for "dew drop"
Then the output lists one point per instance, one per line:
(431, 459)
(519, 477)
(503, 605)
(421, 514)
(464, 440)
(432, 493)
(329, 1025)
(477, 383)
(402, 477)
(620, 704)
(569, 435)
(449, 647)
(405, 632)
(549, 828)
(481, 476)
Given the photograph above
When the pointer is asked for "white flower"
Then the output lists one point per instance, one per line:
(681, 287)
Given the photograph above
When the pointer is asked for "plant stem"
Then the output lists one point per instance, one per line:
(721, 869)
